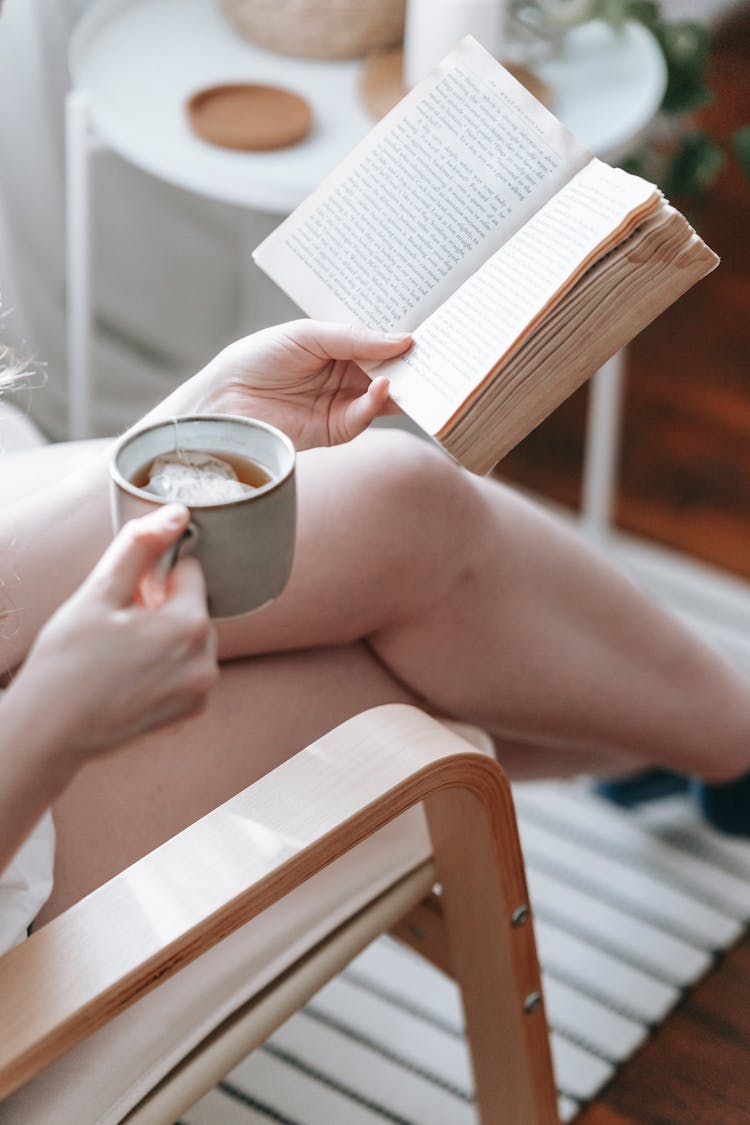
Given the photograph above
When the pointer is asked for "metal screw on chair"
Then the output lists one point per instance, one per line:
(519, 915)
(532, 1002)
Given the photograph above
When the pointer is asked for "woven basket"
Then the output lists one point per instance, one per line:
(319, 29)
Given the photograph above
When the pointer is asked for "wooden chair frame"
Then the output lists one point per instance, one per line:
(99, 957)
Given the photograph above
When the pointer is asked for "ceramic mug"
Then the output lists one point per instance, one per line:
(245, 545)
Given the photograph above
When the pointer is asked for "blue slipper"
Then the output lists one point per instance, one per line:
(726, 806)
(637, 788)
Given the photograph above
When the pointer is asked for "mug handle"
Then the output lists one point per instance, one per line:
(185, 545)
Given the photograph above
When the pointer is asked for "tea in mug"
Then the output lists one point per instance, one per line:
(200, 477)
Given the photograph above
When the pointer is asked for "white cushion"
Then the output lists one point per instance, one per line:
(17, 431)
(26, 883)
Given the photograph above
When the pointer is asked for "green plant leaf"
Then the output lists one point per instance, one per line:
(685, 46)
(741, 146)
(696, 162)
(636, 164)
(646, 12)
(614, 12)
(694, 166)
(686, 97)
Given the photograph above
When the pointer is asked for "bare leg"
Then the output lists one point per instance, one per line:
(486, 608)
(415, 581)
(262, 711)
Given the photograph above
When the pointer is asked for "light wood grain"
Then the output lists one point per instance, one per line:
(158, 915)
(478, 861)
(253, 1022)
(423, 929)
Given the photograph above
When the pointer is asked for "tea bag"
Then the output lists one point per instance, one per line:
(191, 476)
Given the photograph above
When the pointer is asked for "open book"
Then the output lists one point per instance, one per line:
(472, 218)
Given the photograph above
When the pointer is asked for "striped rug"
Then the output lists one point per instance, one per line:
(632, 908)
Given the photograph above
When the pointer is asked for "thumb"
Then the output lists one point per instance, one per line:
(187, 587)
(363, 410)
(135, 550)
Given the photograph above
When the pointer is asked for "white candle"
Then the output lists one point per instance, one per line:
(433, 27)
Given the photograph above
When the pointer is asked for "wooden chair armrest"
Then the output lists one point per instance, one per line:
(118, 943)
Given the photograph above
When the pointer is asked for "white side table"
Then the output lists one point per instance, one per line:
(134, 63)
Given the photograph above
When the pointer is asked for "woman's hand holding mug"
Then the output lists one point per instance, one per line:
(294, 386)
(127, 652)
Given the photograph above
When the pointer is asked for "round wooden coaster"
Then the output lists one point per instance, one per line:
(249, 117)
(381, 83)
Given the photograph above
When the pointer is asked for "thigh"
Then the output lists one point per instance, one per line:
(377, 543)
(263, 710)
(30, 470)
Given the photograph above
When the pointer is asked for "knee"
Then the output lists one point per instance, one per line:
(417, 485)
(429, 508)
(397, 510)
(728, 763)
(720, 771)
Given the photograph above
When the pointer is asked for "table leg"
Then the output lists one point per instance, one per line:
(602, 447)
(78, 262)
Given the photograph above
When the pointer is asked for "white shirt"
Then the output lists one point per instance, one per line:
(26, 884)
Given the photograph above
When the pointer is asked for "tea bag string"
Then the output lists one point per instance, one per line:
(180, 452)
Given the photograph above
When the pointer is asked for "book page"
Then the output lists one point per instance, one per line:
(448, 176)
(458, 348)
(618, 296)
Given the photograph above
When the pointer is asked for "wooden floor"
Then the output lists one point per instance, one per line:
(685, 482)
(695, 1070)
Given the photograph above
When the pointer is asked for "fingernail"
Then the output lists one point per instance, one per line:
(398, 337)
(174, 514)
